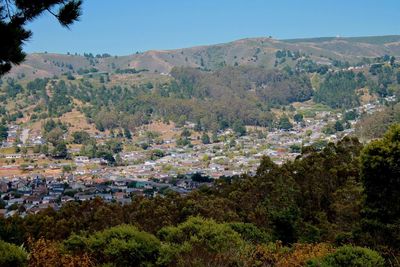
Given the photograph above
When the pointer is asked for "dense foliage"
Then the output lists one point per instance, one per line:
(381, 178)
(12, 255)
(351, 256)
(214, 100)
(338, 90)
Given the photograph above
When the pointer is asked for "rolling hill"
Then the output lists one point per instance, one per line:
(252, 52)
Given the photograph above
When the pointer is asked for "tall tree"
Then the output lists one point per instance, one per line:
(3, 132)
(381, 177)
(15, 14)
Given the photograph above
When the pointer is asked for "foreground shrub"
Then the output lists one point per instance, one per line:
(200, 242)
(350, 256)
(12, 255)
(122, 245)
(249, 232)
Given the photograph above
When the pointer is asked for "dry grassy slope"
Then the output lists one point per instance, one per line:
(252, 51)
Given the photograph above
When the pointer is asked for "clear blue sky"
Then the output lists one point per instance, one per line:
(122, 27)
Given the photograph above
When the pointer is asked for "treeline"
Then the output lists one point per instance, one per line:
(317, 209)
(340, 89)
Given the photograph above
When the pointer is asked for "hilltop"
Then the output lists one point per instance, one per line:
(248, 52)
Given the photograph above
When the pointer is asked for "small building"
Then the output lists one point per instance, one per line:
(81, 159)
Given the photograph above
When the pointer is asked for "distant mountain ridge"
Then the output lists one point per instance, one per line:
(250, 51)
(363, 39)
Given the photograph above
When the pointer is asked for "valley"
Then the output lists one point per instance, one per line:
(199, 133)
(103, 126)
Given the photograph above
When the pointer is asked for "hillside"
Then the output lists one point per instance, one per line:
(252, 51)
(246, 82)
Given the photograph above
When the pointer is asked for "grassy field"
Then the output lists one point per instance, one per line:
(8, 150)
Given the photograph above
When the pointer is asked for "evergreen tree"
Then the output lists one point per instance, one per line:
(14, 15)
(60, 150)
(3, 132)
(205, 139)
(285, 124)
(80, 137)
(127, 133)
(239, 128)
(339, 126)
(298, 117)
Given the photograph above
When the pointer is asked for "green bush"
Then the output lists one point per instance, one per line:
(12, 255)
(199, 242)
(250, 232)
(122, 245)
(350, 256)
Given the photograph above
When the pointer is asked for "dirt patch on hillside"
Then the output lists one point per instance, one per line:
(77, 122)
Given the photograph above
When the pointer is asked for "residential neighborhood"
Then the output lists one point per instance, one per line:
(32, 186)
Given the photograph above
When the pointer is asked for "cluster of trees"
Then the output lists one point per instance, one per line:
(275, 87)
(287, 53)
(36, 93)
(282, 55)
(60, 101)
(3, 132)
(380, 175)
(36, 90)
(214, 100)
(54, 133)
(90, 55)
(91, 149)
(337, 126)
(106, 151)
(386, 78)
(184, 139)
(82, 71)
(232, 93)
(319, 209)
(310, 66)
(285, 124)
(12, 89)
(338, 90)
(119, 107)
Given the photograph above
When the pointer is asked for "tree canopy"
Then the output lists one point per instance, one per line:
(381, 178)
(14, 16)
